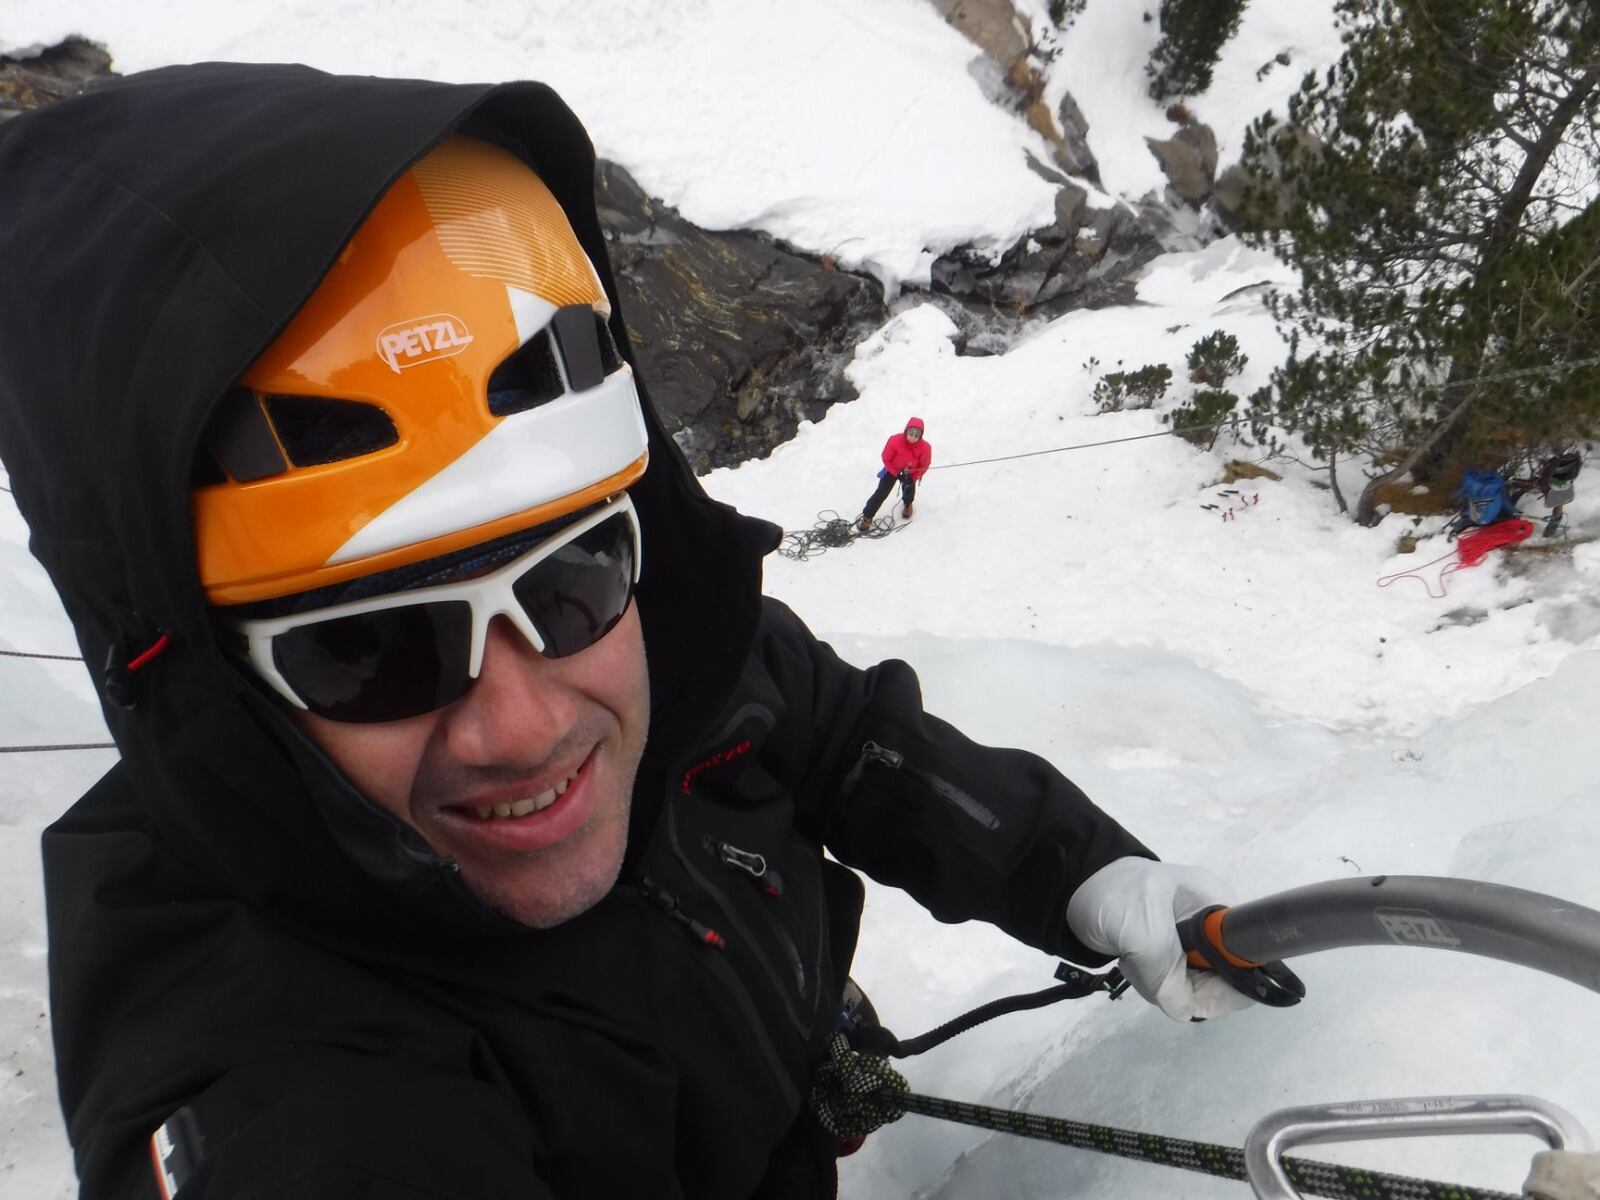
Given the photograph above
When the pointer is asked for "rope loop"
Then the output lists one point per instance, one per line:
(854, 1093)
(830, 532)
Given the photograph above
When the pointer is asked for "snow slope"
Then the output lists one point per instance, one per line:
(1238, 691)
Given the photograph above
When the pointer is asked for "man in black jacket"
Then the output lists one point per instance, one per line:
(467, 835)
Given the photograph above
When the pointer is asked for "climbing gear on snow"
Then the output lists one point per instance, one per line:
(830, 532)
(1471, 549)
(1483, 499)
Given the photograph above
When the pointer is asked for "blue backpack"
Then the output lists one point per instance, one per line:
(1482, 496)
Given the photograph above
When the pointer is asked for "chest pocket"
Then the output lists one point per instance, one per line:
(735, 865)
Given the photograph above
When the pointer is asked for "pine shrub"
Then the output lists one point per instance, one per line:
(1119, 390)
(1215, 359)
(1193, 33)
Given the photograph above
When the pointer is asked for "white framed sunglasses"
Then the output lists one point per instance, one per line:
(401, 654)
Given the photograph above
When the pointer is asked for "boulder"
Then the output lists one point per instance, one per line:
(1189, 160)
(991, 25)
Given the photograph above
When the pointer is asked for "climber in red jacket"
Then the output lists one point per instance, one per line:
(905, 460)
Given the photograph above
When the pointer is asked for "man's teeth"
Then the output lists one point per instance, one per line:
(521, 808)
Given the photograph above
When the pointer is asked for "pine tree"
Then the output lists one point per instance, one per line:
(1193, 33)
(1441, 208)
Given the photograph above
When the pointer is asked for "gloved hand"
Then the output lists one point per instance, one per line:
(1130, 908)
(1563, 1175)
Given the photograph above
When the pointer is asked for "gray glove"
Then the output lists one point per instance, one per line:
(1564, 1175)
(1130, 908)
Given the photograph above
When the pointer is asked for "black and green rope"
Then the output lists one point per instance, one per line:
(856, 1093)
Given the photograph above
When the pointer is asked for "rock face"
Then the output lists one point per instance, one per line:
(1188, 158)
(738, 338)
(1009, 77)
(54, 74)
(1085, 259)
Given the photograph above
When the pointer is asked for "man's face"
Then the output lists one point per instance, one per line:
(526, 781)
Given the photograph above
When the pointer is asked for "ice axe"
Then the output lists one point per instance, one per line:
(1246, 943)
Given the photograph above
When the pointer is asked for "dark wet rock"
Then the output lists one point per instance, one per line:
(1074, 152)
(30, 79)
(738, 338)
(1085, 259)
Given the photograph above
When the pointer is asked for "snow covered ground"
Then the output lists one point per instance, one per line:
(1238, 691)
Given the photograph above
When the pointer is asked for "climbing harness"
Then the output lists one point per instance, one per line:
(830, 532)
(857, 1091)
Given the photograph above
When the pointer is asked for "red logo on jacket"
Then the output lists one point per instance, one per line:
(716, 760)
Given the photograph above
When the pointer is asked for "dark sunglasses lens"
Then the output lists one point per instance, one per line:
(379, 666)
(580, 592)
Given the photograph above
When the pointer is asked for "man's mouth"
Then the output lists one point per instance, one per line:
(524, 806)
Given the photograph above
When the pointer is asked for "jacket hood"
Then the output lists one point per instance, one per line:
(915, 423)
(156, 235)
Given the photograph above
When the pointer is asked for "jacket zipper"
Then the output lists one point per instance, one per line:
(730, 910)
(969, 805)
(668, 903)
(723, 972)
(752, 864)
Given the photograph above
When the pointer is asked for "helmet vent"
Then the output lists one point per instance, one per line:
(527, 379)
(314, 430)
(241, 440)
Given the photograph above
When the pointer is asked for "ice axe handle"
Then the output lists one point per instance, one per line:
(1269, 983)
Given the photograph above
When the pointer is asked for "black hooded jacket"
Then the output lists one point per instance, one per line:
(237, 936)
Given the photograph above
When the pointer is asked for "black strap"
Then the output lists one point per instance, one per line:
(1075, 984)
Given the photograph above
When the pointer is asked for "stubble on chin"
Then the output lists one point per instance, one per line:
(545, 888)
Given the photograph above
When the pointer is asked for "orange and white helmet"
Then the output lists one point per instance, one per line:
(451, 380)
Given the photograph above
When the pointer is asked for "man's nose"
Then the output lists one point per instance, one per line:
(517, 711)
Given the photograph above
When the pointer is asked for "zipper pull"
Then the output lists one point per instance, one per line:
(751, 863)
(871, 752)
(668, 903)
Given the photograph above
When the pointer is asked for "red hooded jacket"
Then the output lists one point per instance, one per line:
(899, 452)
